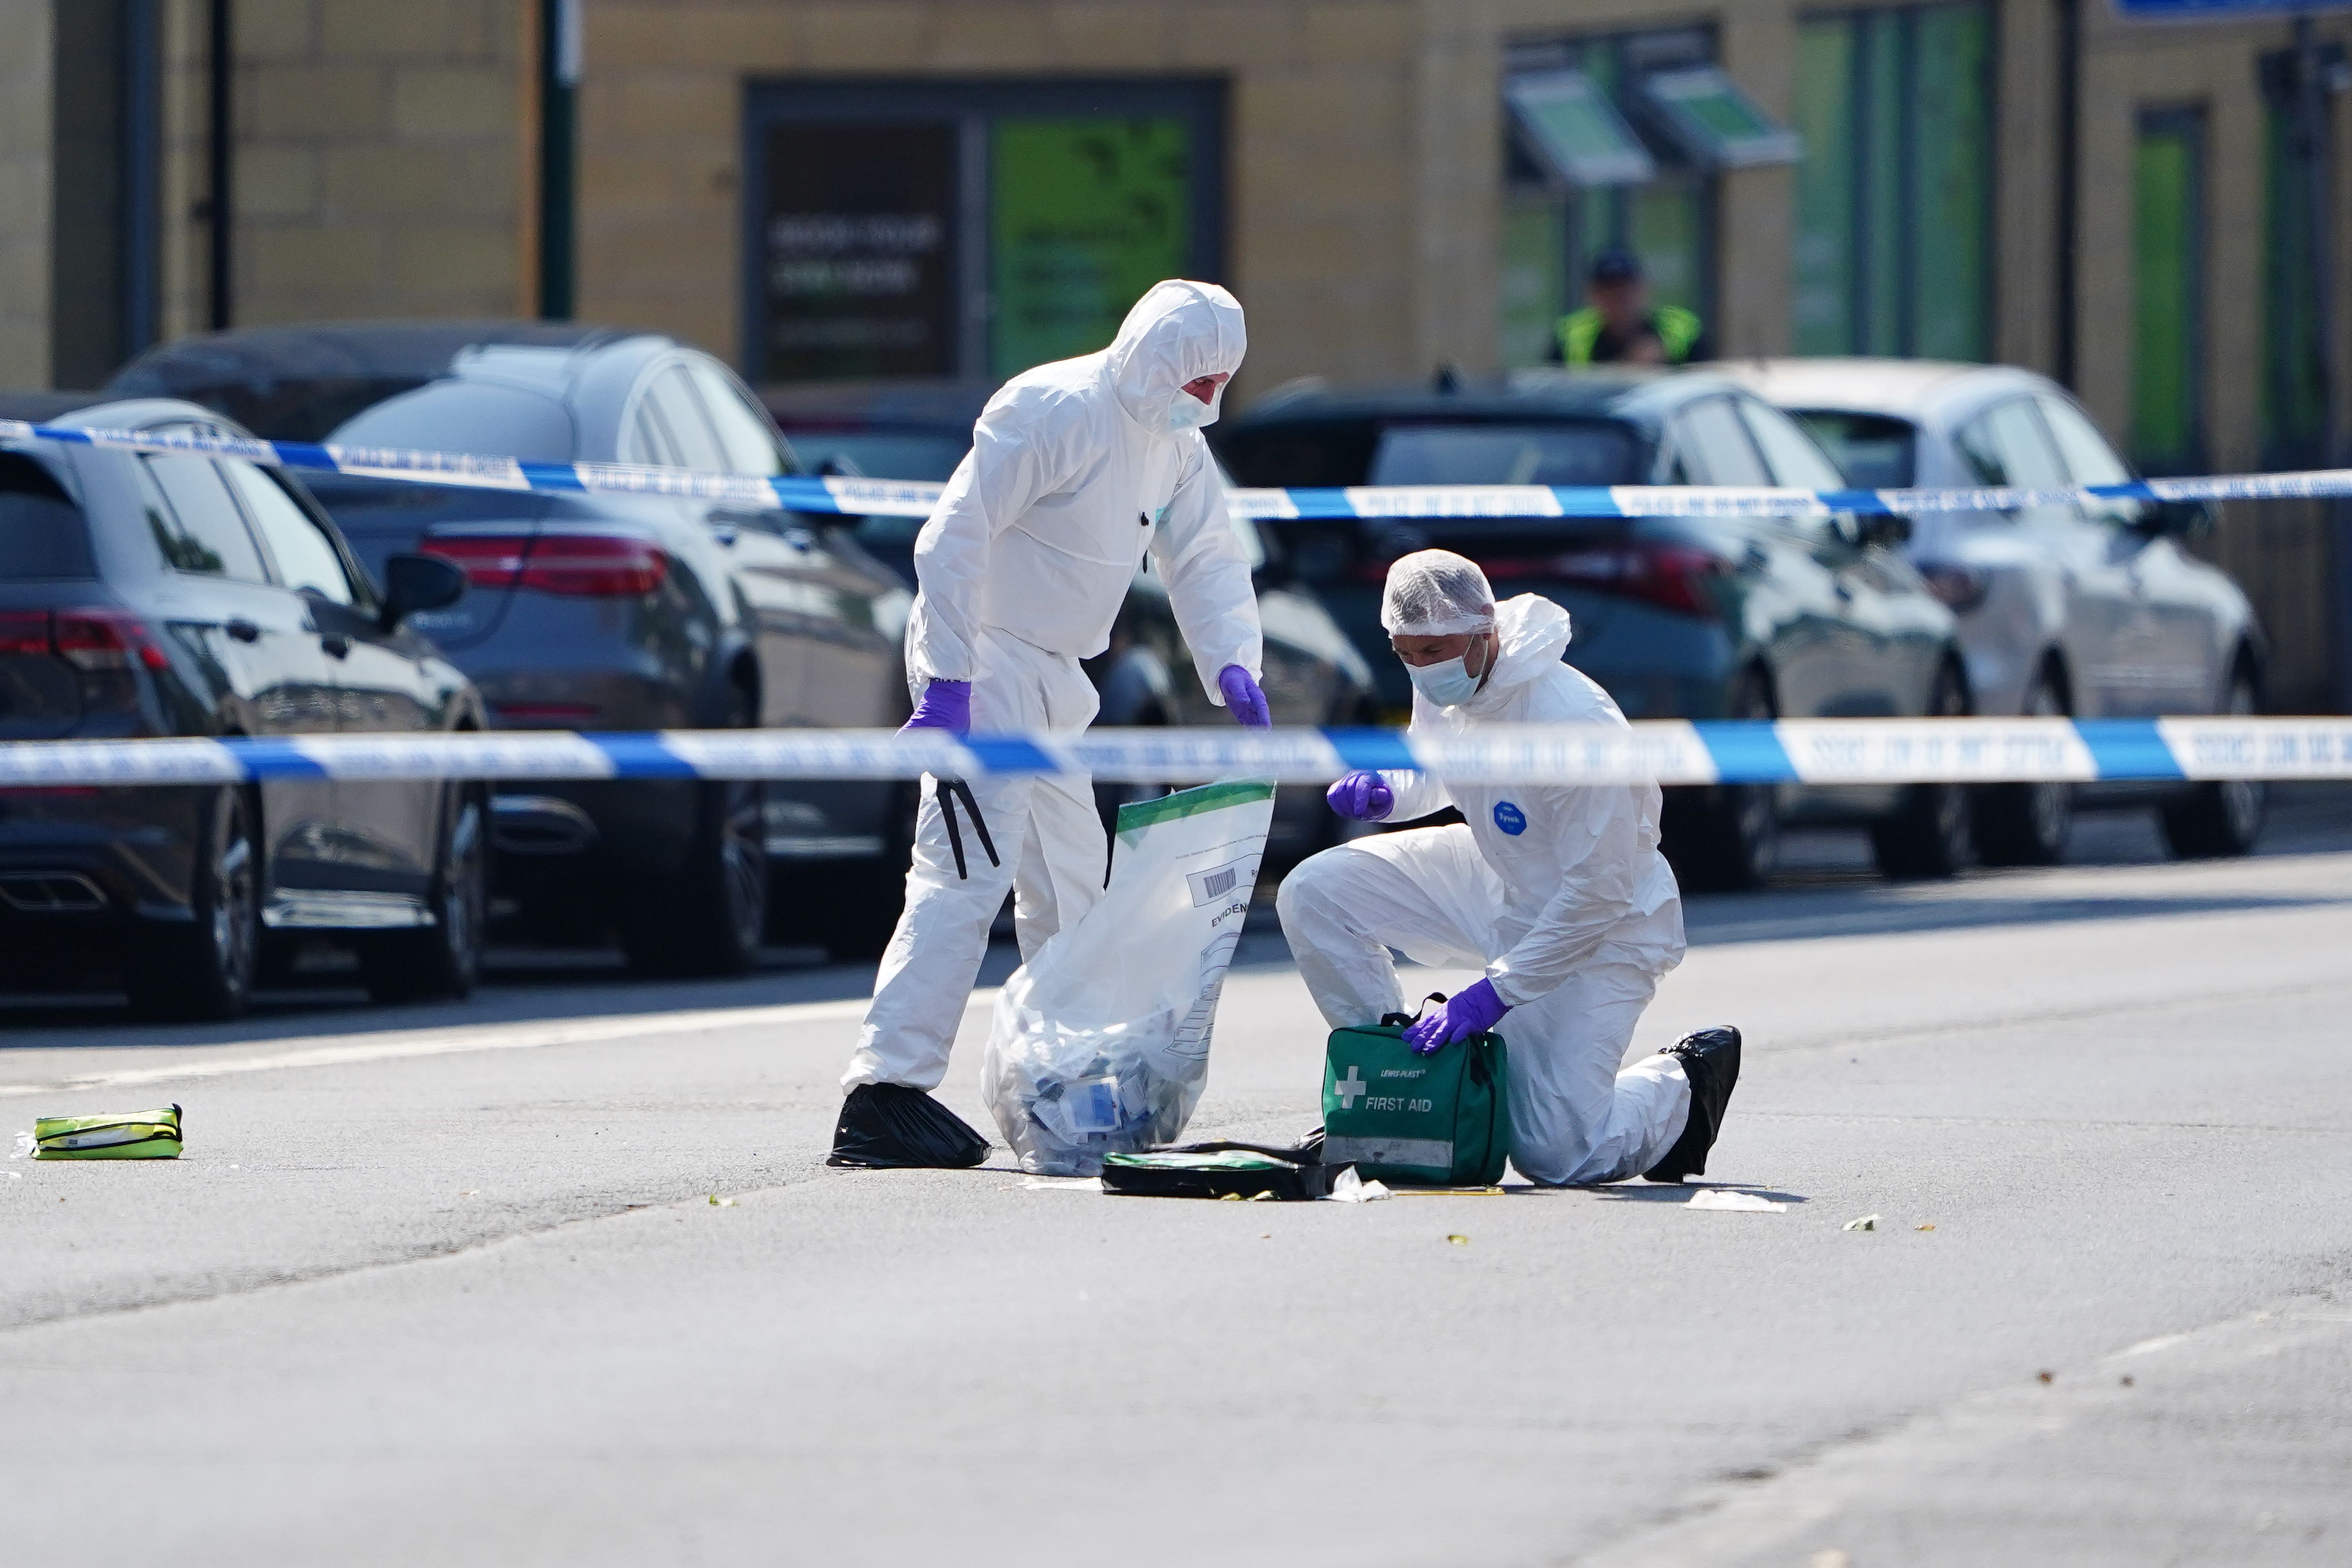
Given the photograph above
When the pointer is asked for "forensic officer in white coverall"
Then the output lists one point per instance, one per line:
(1077, 471)
(1558, 892)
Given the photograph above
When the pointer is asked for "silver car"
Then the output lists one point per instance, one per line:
(2096, 611)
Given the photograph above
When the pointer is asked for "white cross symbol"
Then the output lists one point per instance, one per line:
(1347, 1088)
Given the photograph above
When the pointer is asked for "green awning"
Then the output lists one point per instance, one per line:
(1714, 123)
(1572, 131)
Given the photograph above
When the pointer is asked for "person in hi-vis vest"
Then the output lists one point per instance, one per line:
(1621, 326)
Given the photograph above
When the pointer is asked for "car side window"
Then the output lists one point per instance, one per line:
(196, 522)
(1796, 461)
(1712, 446)
(648, 438)
(307, 560)
(680, 411)
(743, 434)
(2007, 445)
(2088, 460)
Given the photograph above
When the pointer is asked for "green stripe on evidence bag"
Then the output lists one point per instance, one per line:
(1137, 815)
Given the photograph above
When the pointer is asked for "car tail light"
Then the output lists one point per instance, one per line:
(599, 565)
(1679, 577)
(25, 632)
(87, 639)
(105, 640)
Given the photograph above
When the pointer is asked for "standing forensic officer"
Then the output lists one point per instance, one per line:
(1076, 469)
(1558, 893)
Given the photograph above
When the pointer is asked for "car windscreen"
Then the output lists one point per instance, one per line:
(881, 454)
(1317, 453)
(454, 416)
(42, 533)
(1873, 451)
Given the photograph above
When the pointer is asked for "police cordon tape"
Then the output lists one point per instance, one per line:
(895, 497)
(1672, 751)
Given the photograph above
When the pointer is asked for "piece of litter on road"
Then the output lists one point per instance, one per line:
(124, 1135)
(1062, 1184)
(2046, 1377)
(1832, 1558)
(1459, 1240)
(15, 1175)
(718, 1202)
(1867, 1222)
(1350, 1188)
(24, 1147)
(1930, 1226)
(1731, 1202)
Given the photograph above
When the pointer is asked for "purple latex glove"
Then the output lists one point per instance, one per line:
(1473, 1010)
(946, 705)
(1362, 798)
(1243, 701)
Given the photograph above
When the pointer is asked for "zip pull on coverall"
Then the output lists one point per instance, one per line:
(1558, 893)
(1075, 470)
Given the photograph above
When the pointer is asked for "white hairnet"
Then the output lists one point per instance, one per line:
(1436, 594)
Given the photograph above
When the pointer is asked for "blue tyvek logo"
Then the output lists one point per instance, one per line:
(1510, 819)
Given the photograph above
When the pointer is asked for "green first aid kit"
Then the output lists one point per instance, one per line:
(134, 1135)
(1442, 1119)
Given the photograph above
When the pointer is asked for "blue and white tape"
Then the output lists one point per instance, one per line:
(1674, 752)
(895, 497)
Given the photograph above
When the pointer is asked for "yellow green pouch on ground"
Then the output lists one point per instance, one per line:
(131, 1135)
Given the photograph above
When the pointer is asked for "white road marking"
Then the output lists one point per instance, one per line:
(524, 1037)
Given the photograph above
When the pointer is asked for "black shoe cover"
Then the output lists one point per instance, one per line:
(1710, 1060)
(888, 1126)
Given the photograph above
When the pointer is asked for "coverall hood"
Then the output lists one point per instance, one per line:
(1531, 634)
(1178, 331)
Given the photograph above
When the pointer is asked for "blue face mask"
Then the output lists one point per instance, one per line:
(1448, 684)
(1189, 412)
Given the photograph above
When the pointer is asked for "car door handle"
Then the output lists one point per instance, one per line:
(337, 645)
(243, 630)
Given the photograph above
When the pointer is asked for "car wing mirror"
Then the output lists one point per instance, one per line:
(416, 584)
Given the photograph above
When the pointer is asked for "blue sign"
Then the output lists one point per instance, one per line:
(2215, 10)
(1510, 819)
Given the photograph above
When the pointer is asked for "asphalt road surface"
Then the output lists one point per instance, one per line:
(449, 1285)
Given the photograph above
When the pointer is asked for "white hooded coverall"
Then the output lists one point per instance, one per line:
(1558, 893)
(1074, 472)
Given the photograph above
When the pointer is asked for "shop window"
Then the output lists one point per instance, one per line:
(968, 230)
(1894, 223)
(2168, 291)
(1616, 142)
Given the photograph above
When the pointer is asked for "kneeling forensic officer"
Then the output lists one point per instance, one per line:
(1559, 891)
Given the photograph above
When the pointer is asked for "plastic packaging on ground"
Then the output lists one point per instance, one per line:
(130, 1135)
(1100, 1042)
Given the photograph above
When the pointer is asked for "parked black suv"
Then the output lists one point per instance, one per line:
(157, 595)
(1687, 617)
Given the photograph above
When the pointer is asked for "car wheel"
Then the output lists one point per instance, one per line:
(710, 918)
(2223, 816)
(2028, 824)
(442, 960)
(1930, 834)
(202, 971)
(1723, 837)
(849, 908)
